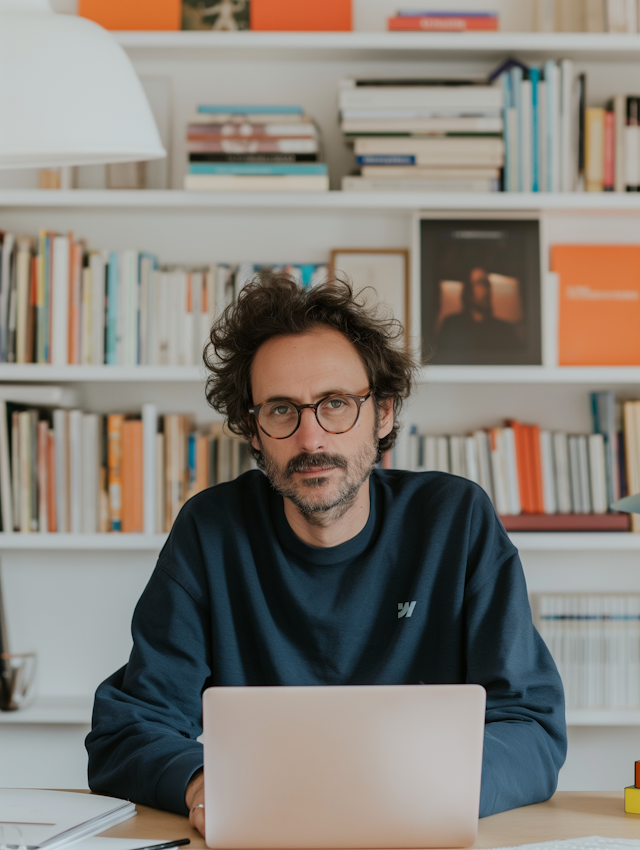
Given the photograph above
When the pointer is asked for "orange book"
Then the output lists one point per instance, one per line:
(519, 433)
(599, 304)
(114, 469)
(536, 468)
(202, 463)
(288, 15)
(136, 15)
(132, 477)
(51, 482)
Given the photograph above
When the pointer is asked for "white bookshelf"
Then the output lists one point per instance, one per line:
(407, 202)
(87, 585)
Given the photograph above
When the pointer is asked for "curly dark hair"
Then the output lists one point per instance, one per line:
(274, 304)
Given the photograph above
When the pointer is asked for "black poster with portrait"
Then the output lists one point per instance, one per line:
(480, 282)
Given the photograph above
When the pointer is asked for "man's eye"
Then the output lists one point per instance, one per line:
(336, 403)
(281, 410)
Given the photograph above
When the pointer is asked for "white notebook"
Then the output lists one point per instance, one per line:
(49, 819)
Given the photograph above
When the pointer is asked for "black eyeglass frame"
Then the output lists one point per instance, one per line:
(359, 400)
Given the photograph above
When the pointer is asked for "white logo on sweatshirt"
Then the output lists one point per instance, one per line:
(405, 609)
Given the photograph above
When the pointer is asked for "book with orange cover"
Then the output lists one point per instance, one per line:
(132, 476)
(522, 455)
(599, 304)
(114, 469)
(137, 15)
(283, 15)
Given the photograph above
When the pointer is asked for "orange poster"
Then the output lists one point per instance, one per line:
(599, 309)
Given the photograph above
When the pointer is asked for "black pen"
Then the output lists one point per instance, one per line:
(166, 844)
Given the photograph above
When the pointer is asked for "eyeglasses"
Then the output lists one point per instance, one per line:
(336, 414)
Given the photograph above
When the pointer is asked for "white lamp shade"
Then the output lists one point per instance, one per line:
(69, 94)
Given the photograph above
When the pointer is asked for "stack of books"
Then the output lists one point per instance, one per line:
(62, 303)
(546, 480)
(423, 135)
(63, 469)
(617, 16)
(412, 20)
(254, 148)
(543, 121)
(595, 642)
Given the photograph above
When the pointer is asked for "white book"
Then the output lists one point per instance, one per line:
(178, 302)
(631, 15)
(526, 137)
(511, 466)
(456, 450)
(430, 454)
(24, 473)
(620, 121)
(552, 78)
(484, 462)
(91, 457)
(594, 16)
(60, 301)
(198, 304)
(548, 473)
(597, 474)
(471, 459)
(149, 463)
(513, 158)
(498, 472)
(98, 264)
(53, 819)
(60, 427)
(585, 483)
(75, 457)
(474, 99)
(146, 311)
(561, 466)
(544, 12)
(632, 155)
(185, 344)
(542, 136)
(212, 291)
(86, 302)
(43, 477)
(568, 142)
(570, 16)
(442, 457)
(574, 473)
(23, 285)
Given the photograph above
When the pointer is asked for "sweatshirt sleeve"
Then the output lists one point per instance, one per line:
(148, 715)
(525, 739)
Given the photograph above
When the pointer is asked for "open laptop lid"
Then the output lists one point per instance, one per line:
(348, 766)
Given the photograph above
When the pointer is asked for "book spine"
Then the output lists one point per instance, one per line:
(114, 477)
(609, 152)
(113, 275)
(149, 440)
(594, 151)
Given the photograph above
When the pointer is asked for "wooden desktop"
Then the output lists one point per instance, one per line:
(569, 814)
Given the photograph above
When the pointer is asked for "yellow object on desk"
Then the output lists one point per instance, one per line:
(632, 800)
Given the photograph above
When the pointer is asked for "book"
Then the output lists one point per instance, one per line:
(436, 125)
(115, 422)
(373, 184)
(256, 183)
(594, 149)
(599, 307)
(468, 99)
(441, 22)
(608, 177)
(132, 476)
(52, 819)
(258, 169)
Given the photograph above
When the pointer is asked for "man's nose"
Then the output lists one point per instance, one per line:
(310, 433)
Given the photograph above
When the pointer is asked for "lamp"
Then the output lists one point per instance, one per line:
(69, 94)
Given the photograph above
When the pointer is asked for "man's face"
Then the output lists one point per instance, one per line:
(481, 289)
(316, 470)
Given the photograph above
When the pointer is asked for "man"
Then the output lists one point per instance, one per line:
(325, 570)
(475, 328)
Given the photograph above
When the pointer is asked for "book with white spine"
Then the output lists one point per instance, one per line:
(511, 466)
(442, 449)
(60, 426)
(548, 473)
(484, 462)
(60, 301)
(526, 134)
(597, 474)
(90, 472)
(75, 457)
(498, 472)
(471, 459)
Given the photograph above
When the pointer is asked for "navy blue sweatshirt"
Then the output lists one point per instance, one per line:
(237, 599)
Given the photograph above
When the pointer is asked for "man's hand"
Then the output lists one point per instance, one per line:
(194, 798)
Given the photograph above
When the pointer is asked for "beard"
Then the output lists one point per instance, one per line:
(318, 507)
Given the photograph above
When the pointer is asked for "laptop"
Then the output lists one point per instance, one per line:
(389, 766)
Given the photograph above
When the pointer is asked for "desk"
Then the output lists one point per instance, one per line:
(569, 814)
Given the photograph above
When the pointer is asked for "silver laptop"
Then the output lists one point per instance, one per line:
(355, 766)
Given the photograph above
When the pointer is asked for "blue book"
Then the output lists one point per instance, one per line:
(506, 104)
(46, 307)
(243, 109)
(256, 168)
(113, 280)
(516, 88)
(534, 76)
(386, 159)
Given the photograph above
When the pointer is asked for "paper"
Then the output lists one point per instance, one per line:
(32, 819)
(592, 842)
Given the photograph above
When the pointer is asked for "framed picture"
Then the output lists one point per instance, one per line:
(480, 290)
(385, 270)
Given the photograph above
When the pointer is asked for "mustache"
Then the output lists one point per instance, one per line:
(304, 462)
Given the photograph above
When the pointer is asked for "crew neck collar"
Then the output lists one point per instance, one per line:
(321, 555)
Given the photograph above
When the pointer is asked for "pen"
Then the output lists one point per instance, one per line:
(166, 844)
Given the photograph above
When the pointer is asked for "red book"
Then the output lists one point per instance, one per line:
(442, 23)
(609, 152)
(519, 432)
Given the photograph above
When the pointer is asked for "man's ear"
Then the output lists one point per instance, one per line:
(385, 417)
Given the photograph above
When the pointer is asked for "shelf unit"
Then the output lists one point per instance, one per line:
(80, 571)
